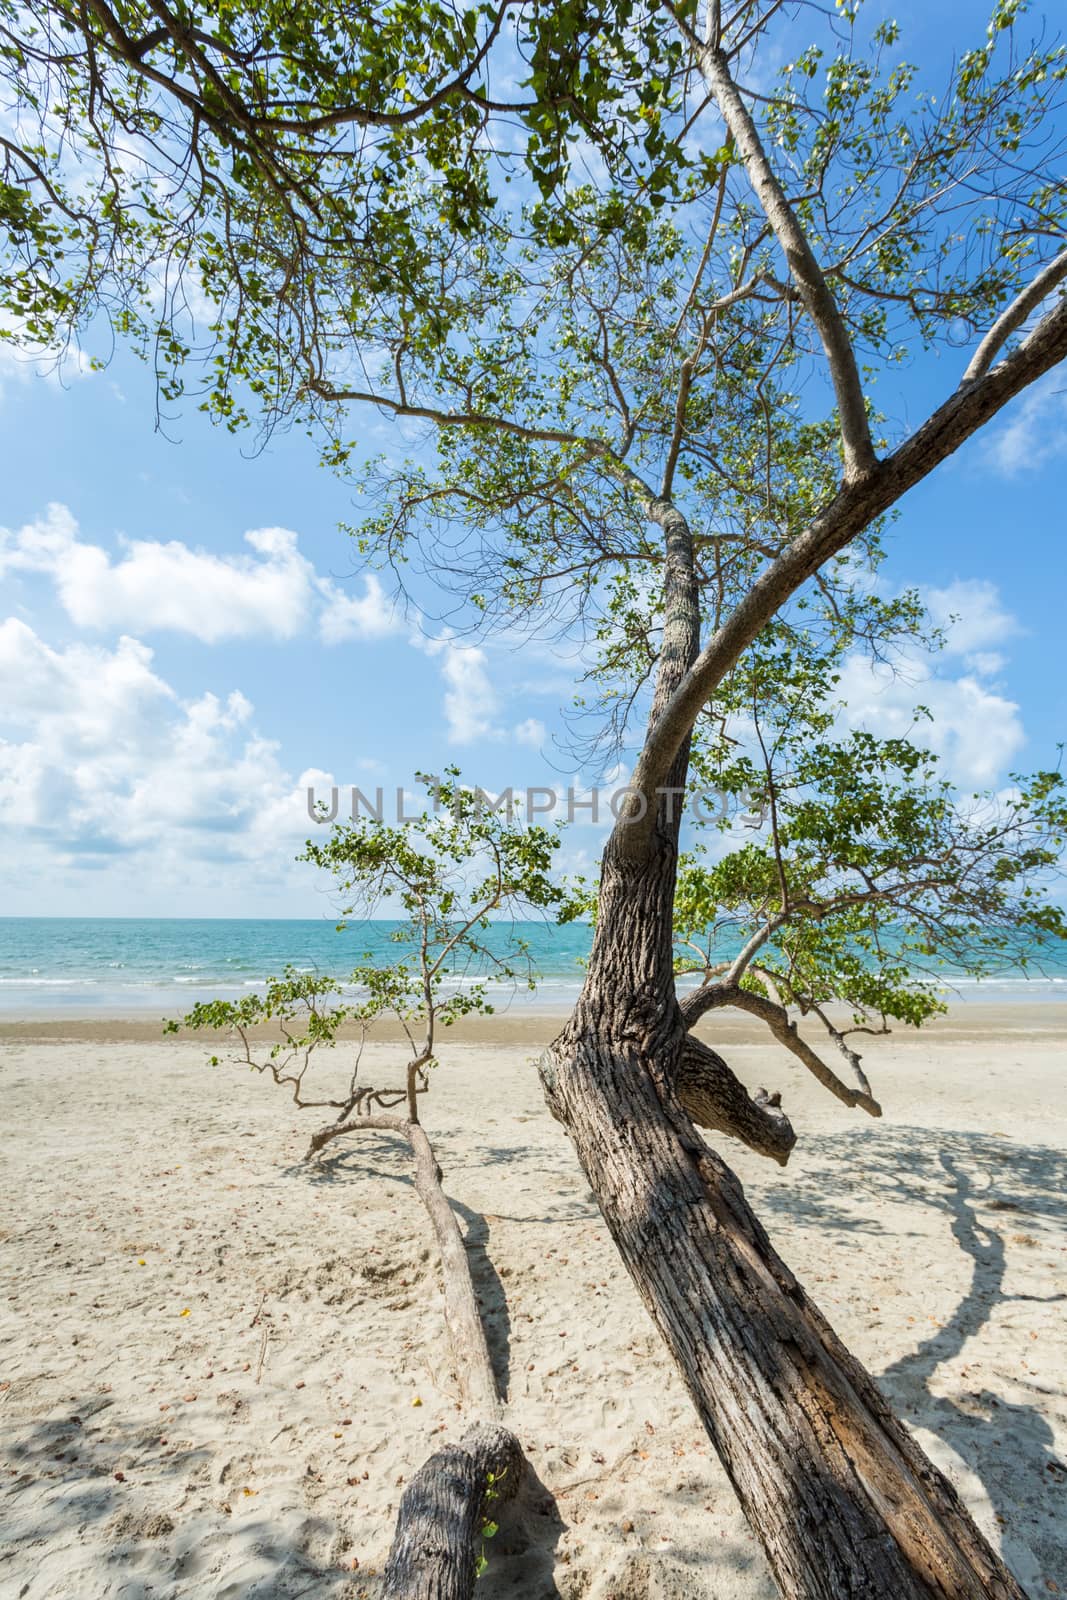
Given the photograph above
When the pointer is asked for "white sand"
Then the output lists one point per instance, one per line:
(256, 1446)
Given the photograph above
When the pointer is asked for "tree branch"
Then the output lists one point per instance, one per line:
(714, 1097)
(716, 995)
(852, 509)
(804, 268)
(1013, 316)
(614, 464)
(442, 1512)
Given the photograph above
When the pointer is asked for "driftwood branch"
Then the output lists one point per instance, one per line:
(437, 1542)
(442, 1512)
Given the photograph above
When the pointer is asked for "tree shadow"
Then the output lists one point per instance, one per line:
(524, 1554)
(975, 1180)
(68, 1473)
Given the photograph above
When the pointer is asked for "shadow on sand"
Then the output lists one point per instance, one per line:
(991, 1191)
(524, 1554)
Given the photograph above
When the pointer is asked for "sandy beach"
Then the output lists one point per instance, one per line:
(219, 1365)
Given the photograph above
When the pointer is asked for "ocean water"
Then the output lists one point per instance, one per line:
(115, 965)
(112, 966)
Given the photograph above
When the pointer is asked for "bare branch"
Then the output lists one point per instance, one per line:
(842, 1044)
(474, 1369)
(804, 268)
(613, 461)
(714, 996)
(1013, 316)
(439, 1522)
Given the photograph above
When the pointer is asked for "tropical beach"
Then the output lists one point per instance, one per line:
(533, 821)
(220, 1363)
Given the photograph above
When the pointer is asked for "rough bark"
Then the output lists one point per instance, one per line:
(846, 1505)
(438, 1535)
(714, 1097)
(442, 1512)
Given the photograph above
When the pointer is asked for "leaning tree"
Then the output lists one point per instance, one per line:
(639, 285)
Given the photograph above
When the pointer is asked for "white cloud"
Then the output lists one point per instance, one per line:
(973, 618)
(170, 586)
(470, 699)
(1036, 431)
(370, 615)
(100, 757)
(531, 732)
(974, 731)
(987, 663)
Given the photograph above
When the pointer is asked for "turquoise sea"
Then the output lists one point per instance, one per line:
(111, 966)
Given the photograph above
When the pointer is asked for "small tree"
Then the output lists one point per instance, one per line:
(448, 872)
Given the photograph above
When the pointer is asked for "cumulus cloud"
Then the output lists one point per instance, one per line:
(370, 615)
(99, 755)
(973, 618)
(975, 731)
(531, 731)
(155, 586)
(470, 699)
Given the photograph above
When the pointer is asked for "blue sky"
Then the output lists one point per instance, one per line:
(169, 688)
(184, 644)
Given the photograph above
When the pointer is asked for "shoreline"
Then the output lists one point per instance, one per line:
(1045, 1020)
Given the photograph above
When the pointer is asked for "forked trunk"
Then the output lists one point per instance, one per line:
(846, 1505)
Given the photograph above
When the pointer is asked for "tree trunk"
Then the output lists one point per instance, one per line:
(846, 1505)
(438, 1537)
